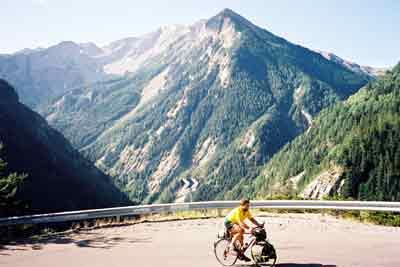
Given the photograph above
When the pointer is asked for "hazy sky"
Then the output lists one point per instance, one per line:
(363, 31)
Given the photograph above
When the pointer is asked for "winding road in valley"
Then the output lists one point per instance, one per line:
(301, 240)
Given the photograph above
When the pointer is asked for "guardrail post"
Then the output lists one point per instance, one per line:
(219, 212)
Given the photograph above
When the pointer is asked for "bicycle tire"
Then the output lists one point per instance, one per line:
(219, 243)
(271, 261)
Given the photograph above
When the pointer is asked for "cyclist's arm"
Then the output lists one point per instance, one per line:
(254, 221)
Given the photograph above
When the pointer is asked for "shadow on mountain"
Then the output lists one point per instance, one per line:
(81, 240)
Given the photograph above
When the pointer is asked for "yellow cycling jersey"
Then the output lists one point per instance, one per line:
(237, 215)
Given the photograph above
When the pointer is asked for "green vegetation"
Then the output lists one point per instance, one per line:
(360, 137)
(9, 183)
(60, 179)
(381, 218)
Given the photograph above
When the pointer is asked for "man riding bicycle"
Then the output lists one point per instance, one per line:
(235, 225)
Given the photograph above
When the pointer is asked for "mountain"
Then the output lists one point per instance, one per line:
(352, 150)
(367, 70)
(59, 178)
(41, 74)
(211, 103)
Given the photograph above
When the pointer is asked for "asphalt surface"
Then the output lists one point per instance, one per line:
(300, 241)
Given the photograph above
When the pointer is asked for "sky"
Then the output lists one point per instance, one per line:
(364, 31)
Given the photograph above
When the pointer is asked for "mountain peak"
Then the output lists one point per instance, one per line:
(227, 12)
(67, 44)
(217, 21)
(230, 14)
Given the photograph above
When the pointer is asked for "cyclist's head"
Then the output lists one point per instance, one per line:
(245, 204)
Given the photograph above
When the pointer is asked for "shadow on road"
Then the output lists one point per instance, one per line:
(292, 265)
(304, 265)
(82, 240)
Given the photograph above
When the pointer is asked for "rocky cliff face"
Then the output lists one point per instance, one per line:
(59, 178)
(364, 70)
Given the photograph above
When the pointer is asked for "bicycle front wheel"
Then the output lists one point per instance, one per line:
(224, 255)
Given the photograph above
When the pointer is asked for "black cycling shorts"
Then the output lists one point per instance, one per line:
(228, 225)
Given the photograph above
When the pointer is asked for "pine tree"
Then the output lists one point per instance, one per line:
(9, 184)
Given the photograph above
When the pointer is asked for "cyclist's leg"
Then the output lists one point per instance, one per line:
(237, 235)
(228, 234)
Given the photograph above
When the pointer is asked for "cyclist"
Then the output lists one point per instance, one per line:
(235, 225)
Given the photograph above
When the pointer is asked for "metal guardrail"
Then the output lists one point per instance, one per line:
(164, 208)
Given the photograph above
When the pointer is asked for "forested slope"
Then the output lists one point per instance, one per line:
(58, 178)
(352, 150)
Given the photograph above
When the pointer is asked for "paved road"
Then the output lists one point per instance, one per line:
(301, 241)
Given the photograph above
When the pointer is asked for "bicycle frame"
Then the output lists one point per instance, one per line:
(252, 240)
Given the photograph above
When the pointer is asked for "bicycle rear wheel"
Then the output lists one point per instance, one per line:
(223, 254)
(264, 255)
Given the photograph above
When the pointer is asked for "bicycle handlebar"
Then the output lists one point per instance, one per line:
(250, 232)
